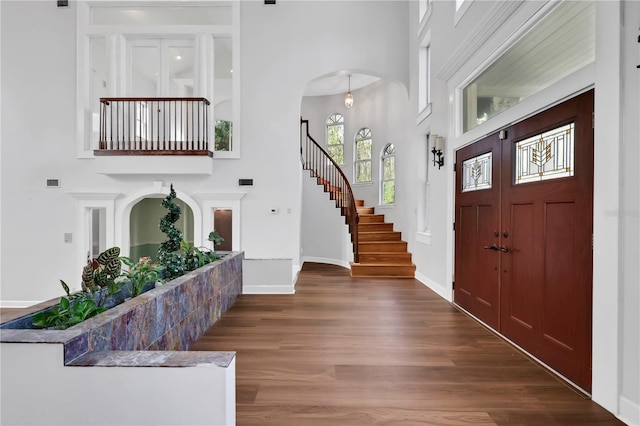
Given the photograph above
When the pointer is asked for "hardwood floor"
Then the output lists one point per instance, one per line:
(356, 351)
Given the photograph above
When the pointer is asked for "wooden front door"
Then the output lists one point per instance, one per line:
(526, 268)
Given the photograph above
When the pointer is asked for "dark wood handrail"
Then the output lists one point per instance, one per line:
(329, 174)
(154, 126)
(107, 100)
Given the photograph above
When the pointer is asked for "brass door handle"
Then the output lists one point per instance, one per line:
(492, 247)
(503, 249)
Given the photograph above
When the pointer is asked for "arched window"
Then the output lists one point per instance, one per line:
(362, 163)
(335, 137)
(388, 175)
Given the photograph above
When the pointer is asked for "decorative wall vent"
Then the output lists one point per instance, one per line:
(53, 183)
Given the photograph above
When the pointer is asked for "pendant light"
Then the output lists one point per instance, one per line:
(348, 98)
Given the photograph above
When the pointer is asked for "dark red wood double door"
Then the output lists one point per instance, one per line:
(523, 235)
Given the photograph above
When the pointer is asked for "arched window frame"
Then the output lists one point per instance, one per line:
(362, 149)
(388, 175)
(335, 137)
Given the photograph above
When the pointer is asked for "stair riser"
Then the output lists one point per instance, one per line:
(379, 236)
(400, 257)
(407, 271)
(366, 210)
(375, 227)
(381, 246)
(377, 218)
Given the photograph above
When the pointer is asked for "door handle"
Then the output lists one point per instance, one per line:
(492, 247)
(503, 249)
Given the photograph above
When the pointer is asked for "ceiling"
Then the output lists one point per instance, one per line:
(560, 44)
(338, 83)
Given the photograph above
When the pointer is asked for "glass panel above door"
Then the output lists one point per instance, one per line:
(561, 44)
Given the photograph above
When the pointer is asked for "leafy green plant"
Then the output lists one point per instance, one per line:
(102, 273)
(215, 238)
(81, 295)
(169, 252)
(193, 256)
(141, 273)
(66, 314)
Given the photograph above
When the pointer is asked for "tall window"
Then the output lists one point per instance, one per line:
(424, 78)
(362, 164)
(335, 137)
(388, 190)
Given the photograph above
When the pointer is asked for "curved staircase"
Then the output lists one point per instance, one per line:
(378, 250)
(382, 253)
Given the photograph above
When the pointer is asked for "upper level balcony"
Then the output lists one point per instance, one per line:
(153, 127)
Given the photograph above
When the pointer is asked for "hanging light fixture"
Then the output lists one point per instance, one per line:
(348, 98)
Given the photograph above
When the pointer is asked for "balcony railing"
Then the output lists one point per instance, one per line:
(154, 126)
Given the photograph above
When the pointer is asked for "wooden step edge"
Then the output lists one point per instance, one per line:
(404, 265)
(377, 232)
(382, 242)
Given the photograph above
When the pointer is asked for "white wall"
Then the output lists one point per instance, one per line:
(279, 55)
(37, 143)
(629, 216)
(38, 389)
(325, 237)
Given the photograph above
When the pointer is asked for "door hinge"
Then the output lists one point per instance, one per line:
(454, 166)
(592, 242)
(593, 120)
(454, 226)
(453, 284)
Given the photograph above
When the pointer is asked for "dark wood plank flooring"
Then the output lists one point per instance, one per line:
(356, 351)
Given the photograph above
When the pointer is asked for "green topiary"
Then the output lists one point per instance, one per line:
(169, 253)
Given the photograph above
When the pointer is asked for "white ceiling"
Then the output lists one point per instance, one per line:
(559, 45)
(338, 83)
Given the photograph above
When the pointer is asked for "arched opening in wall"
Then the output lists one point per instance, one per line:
(145, 236)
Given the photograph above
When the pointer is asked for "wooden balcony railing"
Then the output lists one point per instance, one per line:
(329, 174)
(154, 126)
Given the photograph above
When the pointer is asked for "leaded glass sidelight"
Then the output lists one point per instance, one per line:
(476, 173)
(545, 156)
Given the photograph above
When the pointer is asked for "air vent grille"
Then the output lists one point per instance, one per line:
(53, 183)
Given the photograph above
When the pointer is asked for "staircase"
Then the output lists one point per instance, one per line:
(378, 250)
(382, 253)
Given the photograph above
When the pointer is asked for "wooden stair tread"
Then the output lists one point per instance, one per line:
(384, 264)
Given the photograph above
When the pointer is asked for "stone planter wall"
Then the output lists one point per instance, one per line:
(145, 331)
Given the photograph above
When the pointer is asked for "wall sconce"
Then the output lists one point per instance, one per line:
(438, 147)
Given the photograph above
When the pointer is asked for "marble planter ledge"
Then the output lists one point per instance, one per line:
(152, 330)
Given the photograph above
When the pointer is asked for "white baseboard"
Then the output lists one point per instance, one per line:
(268, 289)
(328, 261)
(445, 293)
(18, 303)
(629, 411)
